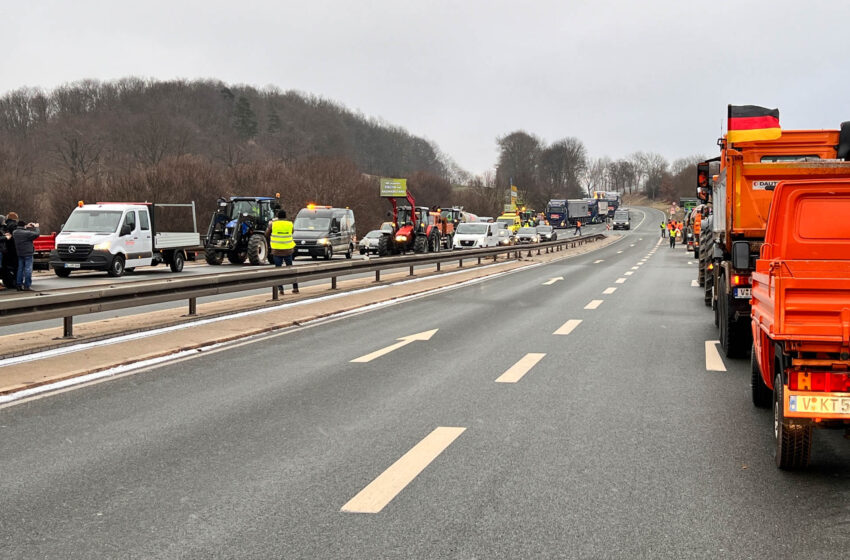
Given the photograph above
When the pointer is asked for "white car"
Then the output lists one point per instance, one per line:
(528, 235)
(475, 235)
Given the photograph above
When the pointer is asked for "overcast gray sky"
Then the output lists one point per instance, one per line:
(621, 76)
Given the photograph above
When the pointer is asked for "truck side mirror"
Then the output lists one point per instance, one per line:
(125, 230)
(741, 255)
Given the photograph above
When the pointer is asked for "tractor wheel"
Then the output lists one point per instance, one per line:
(213, 257)
(793, 440)
(434, 245)
(762, 396)
(62, 272)
(258, 250)
(176, 262)
(383, 246)
(116, 268)
(450, 242)
(420, 245)
(237, 257)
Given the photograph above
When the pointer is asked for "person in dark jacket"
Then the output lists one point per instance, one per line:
(10, 258)
(23, 236)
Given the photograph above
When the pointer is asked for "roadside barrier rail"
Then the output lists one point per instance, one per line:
(68, 303)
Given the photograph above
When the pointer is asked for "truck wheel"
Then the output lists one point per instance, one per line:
(236, 257)
(735, 335)
(116, 268)
(420, 245)
(329, 253)
(62, 272)
(177, 260)
(213, 257)
(383, 246)
(793, 439)
(258, 250)
(707, 295)
(762, 396)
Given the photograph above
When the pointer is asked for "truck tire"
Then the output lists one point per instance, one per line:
(762, 396)
(420, 245)
(62, 272)
(176, 261)
(258, 250)
(383, 246)
(213, 257)
(116, 267)
(707, 295)
(735, 335)
(793, 439)
(236, 257)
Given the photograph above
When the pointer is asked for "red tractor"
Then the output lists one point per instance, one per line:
(414, 228)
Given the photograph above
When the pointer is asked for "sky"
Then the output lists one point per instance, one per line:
(621, 76)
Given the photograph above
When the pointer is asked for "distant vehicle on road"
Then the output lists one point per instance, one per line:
(527, 235)
(369, 243)
(556, 213)
(622, 219)
(547, 233)
(476, 235)
(321, 231)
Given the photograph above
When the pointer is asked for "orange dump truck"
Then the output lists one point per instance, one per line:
(741, 197)
(801, 315)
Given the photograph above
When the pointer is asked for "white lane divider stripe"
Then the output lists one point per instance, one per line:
(620, 281)
(594, 304)
(635, 267)
(609, 291)
(713, 361)
(629, 273)
(598, 261)
(694, 283)
(381, 491)
(618, 252)
(519, 369)
(568, 327)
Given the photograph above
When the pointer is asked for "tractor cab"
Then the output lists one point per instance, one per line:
(237, 229)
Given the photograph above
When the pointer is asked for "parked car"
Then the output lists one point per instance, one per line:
(527, 235)
(547, 233)
(369, 243)
(622, 219)
(476, 235)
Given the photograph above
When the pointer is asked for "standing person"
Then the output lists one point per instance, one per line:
(672, 238)
(578, 228)
(11, 256)
(663, 229)
(279, 235)
(4, 237)
(23, 236)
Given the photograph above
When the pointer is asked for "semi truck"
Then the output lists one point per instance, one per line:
(577, 209)
(741, 198)
(117, 237)
(556, 213)
(800, 321)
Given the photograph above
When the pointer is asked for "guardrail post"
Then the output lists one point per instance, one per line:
(411, 270)
(193, 306)
(333, 282)
(538, 250)
(377, 276)
(479, 260)
(529, 253)
(438, 267)
(460, 263)
(67, 327)
(275, 295)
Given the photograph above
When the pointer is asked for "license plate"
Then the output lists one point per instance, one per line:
(72, 265)
(303, 250)
(743, 293)
(818, 405)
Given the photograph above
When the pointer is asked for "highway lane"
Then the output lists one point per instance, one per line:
(616, 443)
(47, 281)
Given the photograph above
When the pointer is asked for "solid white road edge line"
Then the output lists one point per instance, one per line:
(713, 361)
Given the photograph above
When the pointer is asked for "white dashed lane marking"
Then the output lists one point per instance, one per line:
(713, 361)
(620, 281)
(568, 327)
(594, 304)
(519, 369)
(609, 291)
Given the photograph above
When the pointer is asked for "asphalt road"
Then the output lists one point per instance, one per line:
(616, 443)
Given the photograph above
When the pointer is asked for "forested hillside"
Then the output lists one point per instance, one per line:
(177, 141)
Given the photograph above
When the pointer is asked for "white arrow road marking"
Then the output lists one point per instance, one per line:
(629, 273)
(389, 483)
(620, 281)
(713, 361)
(403, 341)
(608, 291)
(593, 304)
(599, 261)
(568, 327)
(695, 283)
(516, 371)
(552, 281)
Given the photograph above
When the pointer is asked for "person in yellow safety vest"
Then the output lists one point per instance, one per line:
(279, 235)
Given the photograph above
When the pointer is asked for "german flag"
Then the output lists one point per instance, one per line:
(751, 122)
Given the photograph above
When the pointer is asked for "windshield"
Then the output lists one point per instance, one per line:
(621, 216)
(508, 221)
(404, 215)
(373, 234)
(244, 207)
(472, 229)
(556, 208)
(544, 229)
(95, 221)
(447, 214)
(310, 223)
(528, 230)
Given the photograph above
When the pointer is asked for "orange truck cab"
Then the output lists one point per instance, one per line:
(801, 314)
(742, 194)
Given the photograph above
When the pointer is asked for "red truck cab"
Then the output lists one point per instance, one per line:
(801, 315)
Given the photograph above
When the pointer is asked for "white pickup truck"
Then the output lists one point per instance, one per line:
(119, 236)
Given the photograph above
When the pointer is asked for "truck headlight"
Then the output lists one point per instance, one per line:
(103, 246)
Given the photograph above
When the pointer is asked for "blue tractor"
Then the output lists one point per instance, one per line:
(237, 230)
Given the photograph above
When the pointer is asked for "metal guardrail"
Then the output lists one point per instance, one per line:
(66, 304)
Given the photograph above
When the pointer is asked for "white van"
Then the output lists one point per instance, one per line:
(115, 237)
(476, 235)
